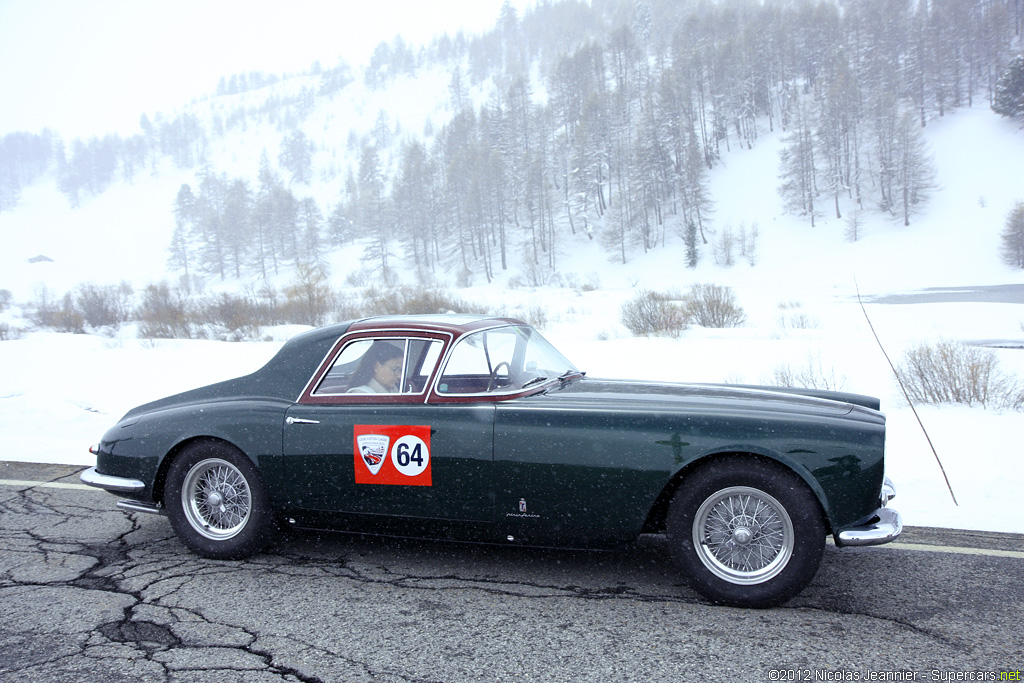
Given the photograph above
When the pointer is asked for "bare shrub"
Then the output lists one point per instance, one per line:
(240, 317)
(359, 278)
(413, 301)
(952, 372)
(537, 274)
(58, 314)
(347, 307)
(309, 300)
(464, 277)
(799, 321)
(165, 313)
(5, 299)
(8, 333)
(812, 375)
(535, 316)
(654, 313)
(794, 319)
(41, 310)
(268, 301)
(710, 305)
(105, 305)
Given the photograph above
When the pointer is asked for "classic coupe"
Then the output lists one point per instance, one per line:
(475, 428)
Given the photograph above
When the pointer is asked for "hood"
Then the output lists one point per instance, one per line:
(721, 396)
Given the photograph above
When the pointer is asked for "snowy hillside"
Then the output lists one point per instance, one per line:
(800, 298)
(797, 284)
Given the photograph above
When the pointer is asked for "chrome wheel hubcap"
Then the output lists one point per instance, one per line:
(216, 499)
(743, 535)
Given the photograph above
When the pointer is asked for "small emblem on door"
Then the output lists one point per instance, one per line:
(373, 448)
(522, 514)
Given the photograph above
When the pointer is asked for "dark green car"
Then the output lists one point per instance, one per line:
(476, 429)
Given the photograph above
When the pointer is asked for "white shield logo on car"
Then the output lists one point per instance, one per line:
(373, 448)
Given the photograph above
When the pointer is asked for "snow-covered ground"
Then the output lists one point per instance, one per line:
(59, 393)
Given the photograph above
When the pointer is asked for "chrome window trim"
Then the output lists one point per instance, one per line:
(489, 394)
(394, 333)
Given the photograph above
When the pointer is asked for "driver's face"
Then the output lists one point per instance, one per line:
(388, 373)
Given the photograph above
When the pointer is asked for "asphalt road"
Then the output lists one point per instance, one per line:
(89, 593)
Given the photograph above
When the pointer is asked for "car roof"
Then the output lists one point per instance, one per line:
(284, 375)
(455, 323)
(322, 338)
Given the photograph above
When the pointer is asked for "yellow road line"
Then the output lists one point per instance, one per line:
(46, 485)
(958, 550)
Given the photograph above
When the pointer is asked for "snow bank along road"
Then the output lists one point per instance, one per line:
(88, 592)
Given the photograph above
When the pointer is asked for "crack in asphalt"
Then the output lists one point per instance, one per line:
(902, 623)
(114, 567)
(482, 584)
(147, 570)
(153, 580)
(621, 592)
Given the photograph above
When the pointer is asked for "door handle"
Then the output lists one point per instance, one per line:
(301, 421)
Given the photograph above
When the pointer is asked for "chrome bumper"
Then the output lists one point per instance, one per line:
(883, 526)
(116, 484)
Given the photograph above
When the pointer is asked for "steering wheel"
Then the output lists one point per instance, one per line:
(494, 373)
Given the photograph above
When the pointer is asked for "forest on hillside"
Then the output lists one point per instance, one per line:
(606, 118)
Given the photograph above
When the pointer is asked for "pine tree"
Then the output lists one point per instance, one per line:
(690, 240)
(914, 176)
(311, 248)
(412, 199)
(1013, 237)
(1009, 95)
(184, 218)
(297, 156)
(236, 221)
(210, 223)
(263, 216)
(798, 170)
(372, 219)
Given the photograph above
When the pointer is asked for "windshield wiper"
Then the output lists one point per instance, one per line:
(535, 380)
(569, 374)
(563, 378)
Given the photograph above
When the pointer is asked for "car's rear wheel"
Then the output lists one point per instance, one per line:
(217, 503)
(746, 531)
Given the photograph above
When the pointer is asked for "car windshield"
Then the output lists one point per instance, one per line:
(504, 359)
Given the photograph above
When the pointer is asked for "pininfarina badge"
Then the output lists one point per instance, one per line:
(374, 449)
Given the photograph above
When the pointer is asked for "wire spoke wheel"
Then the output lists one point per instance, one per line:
(743, 535)
(216, 499)
(746, 532)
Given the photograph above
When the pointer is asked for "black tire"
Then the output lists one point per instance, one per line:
(747, 532)
(217, 502)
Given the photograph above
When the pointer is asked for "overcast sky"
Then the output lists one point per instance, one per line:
(89, 67)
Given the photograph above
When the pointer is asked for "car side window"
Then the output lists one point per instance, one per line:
(386, 365)
(502, 360)
(475, 359)
(420, 363)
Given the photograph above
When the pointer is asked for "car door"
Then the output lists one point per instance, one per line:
(431, 461)
(389, 454)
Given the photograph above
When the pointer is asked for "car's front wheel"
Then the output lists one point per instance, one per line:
(217, 503)
(746, 532)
